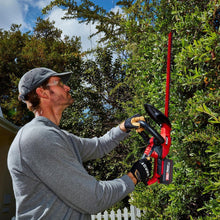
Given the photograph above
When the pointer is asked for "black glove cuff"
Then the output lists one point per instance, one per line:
(141, 170)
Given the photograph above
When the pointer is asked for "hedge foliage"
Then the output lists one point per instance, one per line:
(194, 102)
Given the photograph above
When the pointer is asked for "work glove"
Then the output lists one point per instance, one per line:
(141, 170)
(132, 122)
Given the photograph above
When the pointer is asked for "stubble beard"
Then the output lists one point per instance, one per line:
(68, 99)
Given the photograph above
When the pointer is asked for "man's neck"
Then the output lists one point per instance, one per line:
(51, 114)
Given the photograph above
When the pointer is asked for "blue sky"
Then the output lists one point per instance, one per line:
(25, 12)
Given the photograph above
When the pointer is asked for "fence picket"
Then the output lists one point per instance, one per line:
(105, 215)
(133, 214)
(119, 214)
(112, 215)
(125, 213)
(99, 216)
(138, 212)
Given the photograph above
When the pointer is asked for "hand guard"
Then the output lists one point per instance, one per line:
(132, 122)
(142, 170)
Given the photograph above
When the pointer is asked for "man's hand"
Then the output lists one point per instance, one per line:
(141, 170)
(133, 122)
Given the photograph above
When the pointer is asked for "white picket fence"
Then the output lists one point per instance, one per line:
(125, 214)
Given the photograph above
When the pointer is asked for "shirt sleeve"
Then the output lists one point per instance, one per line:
(59, 170)
(98, 147)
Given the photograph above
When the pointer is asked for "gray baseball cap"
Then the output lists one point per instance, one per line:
(35, 77)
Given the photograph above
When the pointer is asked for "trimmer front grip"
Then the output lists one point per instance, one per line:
(156, 115)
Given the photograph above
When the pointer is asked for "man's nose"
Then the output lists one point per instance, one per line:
(67, 88)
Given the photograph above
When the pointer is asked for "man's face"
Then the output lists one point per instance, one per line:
(59, 92)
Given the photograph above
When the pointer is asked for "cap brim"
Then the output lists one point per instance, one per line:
(64, 76)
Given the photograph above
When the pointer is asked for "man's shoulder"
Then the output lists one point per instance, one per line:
(35, 127)
(28, 137)
(38, 130)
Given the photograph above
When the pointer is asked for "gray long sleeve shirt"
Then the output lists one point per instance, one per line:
(49, 180)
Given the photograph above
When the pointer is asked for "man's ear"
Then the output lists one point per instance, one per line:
(42, 93)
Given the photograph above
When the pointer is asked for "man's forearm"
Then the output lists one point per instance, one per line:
(122, 127)
(132, 178)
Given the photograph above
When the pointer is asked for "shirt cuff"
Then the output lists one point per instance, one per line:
(129, 183)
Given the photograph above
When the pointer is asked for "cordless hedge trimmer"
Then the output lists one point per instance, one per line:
(159, 145)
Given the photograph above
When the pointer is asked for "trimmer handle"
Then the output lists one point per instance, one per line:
(148, 128)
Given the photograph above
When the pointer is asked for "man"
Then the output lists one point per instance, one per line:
(46, 163)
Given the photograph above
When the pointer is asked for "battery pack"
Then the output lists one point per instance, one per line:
(167, 176)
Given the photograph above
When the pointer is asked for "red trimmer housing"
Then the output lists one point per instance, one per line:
(158, 146)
